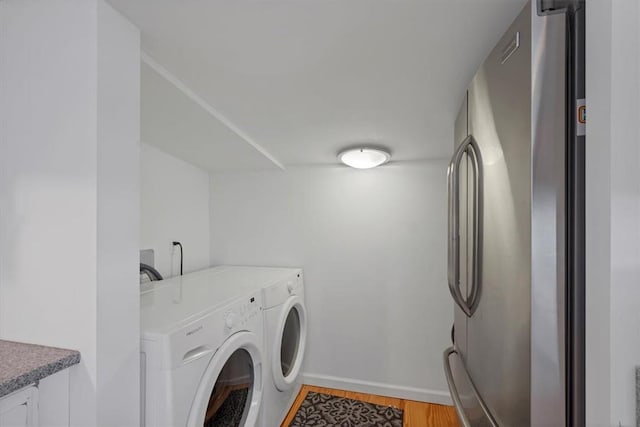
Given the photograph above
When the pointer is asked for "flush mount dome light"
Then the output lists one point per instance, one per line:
(364, 158)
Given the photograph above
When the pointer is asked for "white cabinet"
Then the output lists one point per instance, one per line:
(45, 404)
(53, 401)
(20, 408)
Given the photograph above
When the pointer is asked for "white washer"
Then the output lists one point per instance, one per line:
(202, 361)
(285, 319)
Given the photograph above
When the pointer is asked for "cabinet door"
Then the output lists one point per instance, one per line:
(14, 416)
(19, 409)
(53, 400)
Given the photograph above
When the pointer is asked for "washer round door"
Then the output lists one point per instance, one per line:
(230, 392)
(290, 340)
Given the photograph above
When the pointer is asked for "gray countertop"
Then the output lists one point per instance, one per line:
(23, 364)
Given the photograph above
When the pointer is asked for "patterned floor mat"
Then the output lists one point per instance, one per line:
(323, 410)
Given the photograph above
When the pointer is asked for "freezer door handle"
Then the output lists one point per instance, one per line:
(457, 403)
(469, 147)
(455, 396)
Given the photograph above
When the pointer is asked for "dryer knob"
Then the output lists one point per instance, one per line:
(229, 322)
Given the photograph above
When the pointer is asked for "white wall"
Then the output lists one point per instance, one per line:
(613, 210)
(48, 185)
(118, 314)
(174, 204)
(625, 209)
(68, 226)
(371, 244)
(598, 202)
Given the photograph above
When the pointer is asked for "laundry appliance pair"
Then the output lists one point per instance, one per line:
(222, 347)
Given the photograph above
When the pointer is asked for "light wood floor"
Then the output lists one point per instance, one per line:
(416, 414)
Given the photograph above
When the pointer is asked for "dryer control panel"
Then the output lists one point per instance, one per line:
(279, 292)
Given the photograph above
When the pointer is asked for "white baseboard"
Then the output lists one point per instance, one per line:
(409, 393)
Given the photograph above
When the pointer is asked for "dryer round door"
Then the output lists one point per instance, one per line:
(290, 339)
(230, 391)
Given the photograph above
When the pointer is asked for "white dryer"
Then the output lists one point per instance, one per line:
(202, 360)
(285, 318)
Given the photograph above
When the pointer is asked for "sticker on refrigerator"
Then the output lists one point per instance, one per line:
(581, 117)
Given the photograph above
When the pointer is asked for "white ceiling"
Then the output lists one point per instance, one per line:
(300, 80)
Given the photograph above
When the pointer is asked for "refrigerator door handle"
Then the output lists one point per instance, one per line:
(453, 258)
(470, 148)
(473, 152)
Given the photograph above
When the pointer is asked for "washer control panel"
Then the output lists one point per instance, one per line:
(237, 316)
(206, 331)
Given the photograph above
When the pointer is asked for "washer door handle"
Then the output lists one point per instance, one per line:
(195, 353)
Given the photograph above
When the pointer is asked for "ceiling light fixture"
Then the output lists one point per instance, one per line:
(364, 158)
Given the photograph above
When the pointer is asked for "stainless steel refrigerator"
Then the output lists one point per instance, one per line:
(516, 227)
